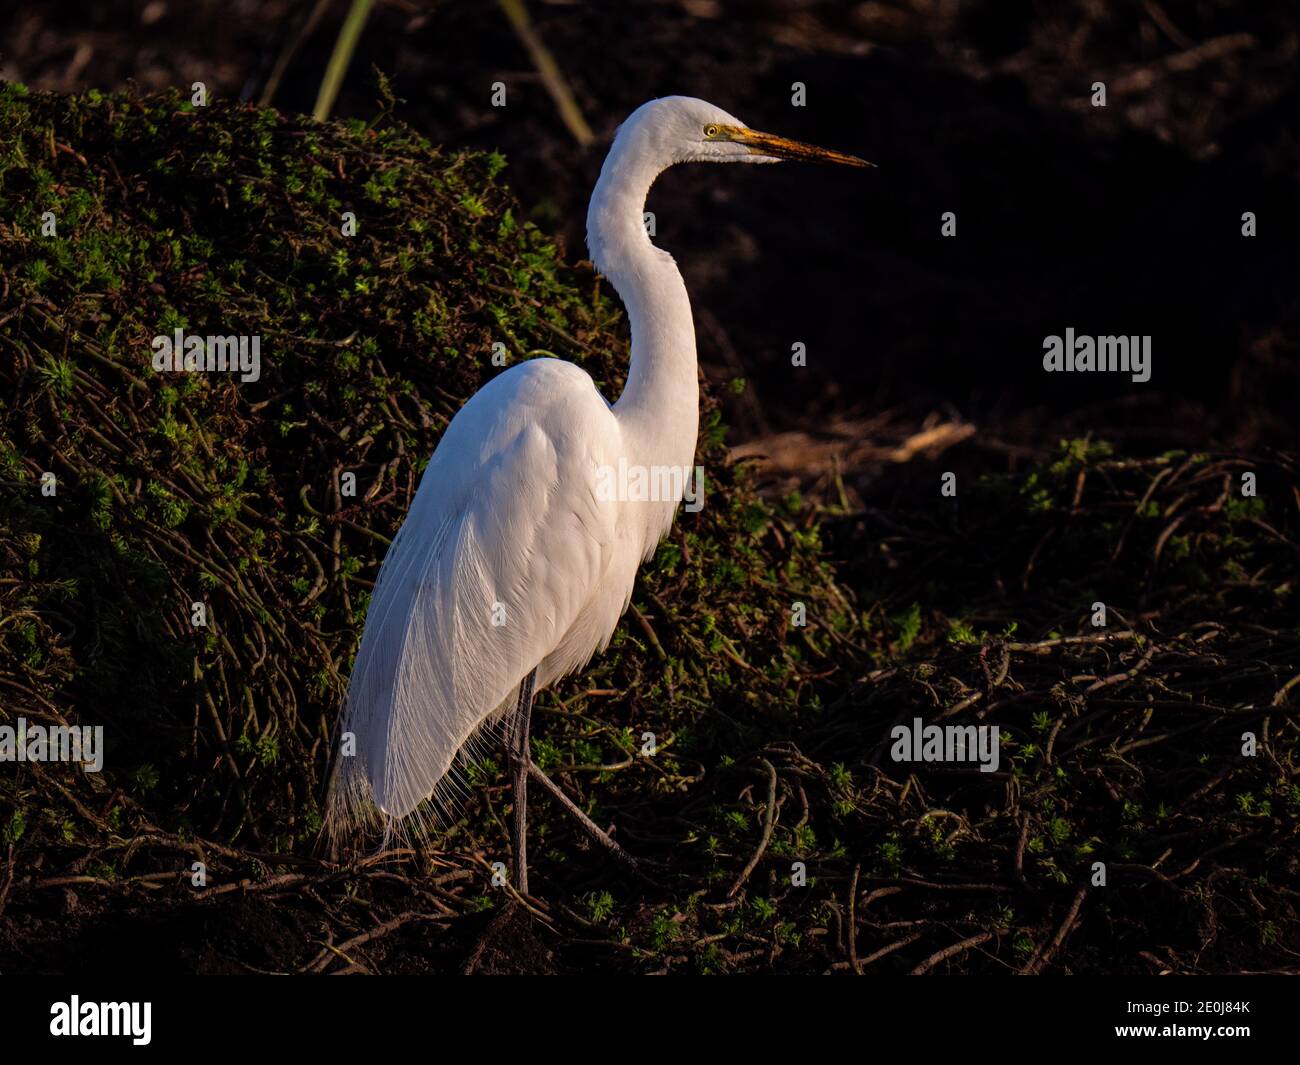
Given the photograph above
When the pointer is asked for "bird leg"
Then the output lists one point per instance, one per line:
(592, 829)
(520, 760)
(522, 767)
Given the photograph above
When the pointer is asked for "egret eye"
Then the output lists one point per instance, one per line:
(710, 131)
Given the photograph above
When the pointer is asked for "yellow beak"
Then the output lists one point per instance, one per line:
(784, 148)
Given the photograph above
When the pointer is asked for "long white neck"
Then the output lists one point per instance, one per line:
(659, 409)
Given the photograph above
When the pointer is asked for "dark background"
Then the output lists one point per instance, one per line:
(1118, 220)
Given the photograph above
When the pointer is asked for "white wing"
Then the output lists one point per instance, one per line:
(504, 546)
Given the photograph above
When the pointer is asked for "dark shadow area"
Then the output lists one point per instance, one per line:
(1123, 220)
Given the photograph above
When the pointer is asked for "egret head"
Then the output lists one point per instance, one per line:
(682, 129)
(673, 129)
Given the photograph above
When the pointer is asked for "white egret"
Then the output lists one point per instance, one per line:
(512, 568)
